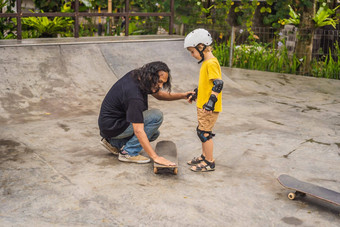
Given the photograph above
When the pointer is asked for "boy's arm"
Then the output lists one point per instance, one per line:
(217, 88)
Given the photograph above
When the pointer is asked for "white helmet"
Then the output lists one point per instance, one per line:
(196, 37)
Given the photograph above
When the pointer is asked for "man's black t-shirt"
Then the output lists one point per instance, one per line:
(122, 105)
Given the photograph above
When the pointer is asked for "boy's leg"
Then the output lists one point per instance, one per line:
(207, 150)
(208, 163)
(206, 122)
(152, 121)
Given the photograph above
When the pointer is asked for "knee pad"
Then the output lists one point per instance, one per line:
(203, 138)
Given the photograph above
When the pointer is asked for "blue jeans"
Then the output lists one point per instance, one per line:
(152, 121)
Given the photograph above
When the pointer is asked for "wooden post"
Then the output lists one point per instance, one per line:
(127, 10)
(99, 18)
(231, 50)
(19, 26)
(109, 6)
(76, 20)
(109, 23)
(172, 17)
(304, 45)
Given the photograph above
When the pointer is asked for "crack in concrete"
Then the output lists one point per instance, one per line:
(311, 140)
(54, 170)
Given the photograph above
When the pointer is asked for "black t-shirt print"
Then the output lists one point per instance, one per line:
(122, 105)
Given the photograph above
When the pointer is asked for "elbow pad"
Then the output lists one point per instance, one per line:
(218, 86)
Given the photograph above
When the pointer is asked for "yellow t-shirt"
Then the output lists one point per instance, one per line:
(210, 71)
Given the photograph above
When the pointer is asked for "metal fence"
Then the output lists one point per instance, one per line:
(324, 42)
(78, 15)
(325, 56)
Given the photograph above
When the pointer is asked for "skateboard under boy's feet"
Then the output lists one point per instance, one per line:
(166, 149)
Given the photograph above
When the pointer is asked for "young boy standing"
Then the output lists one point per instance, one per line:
(208, 95)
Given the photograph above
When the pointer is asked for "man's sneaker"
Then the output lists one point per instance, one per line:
(109, 147)
(136, 159)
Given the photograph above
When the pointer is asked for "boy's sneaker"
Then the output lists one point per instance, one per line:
(109, 147)
(136, 159)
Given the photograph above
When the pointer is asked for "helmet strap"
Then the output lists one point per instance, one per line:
(201, 53)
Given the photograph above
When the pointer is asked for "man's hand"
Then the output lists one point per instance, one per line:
(192, 95)
(163, 161)
(189, 96)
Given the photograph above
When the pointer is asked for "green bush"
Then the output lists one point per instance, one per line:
(329, 67)
(8, 26)
(35, 27)
(45, 27)
(258, 56)
(275, 58)
(222, 53)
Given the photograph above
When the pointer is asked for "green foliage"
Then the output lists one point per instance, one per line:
(305, 3)
(187, 13)
(265, 10)
(45, 27)
(8, 26)
(57, 5)
(279, 11)
(221, 12)
(245, 14)
(147, 25)
(294, 17)
(262, 57)
(259, 56)
(36, 27)
(329, 67)
(322, 17)
(95, 3)
(88, 28)
(275, 58)
(192, 12)
(150, 5)
(48, 5)
(222, 53)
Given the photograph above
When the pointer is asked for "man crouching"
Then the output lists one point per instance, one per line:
(125, 122)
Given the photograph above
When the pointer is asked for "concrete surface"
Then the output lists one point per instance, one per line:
(54, 172)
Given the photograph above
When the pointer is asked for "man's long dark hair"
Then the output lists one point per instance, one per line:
(148, 76)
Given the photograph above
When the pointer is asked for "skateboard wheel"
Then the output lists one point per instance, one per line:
(155, 170)
(291, 196)
(175, 171)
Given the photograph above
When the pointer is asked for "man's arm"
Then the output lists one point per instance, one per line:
(138, 129)
(166, 96)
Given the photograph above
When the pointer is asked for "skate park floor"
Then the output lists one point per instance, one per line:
(54, 172)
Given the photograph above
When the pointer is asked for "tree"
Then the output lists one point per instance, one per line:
(304, 45)
(307, 20)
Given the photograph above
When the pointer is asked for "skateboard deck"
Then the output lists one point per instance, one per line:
(166, 149)
(302, 188)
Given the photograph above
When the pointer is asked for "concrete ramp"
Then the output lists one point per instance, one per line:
(60, 81)
(71, 79)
